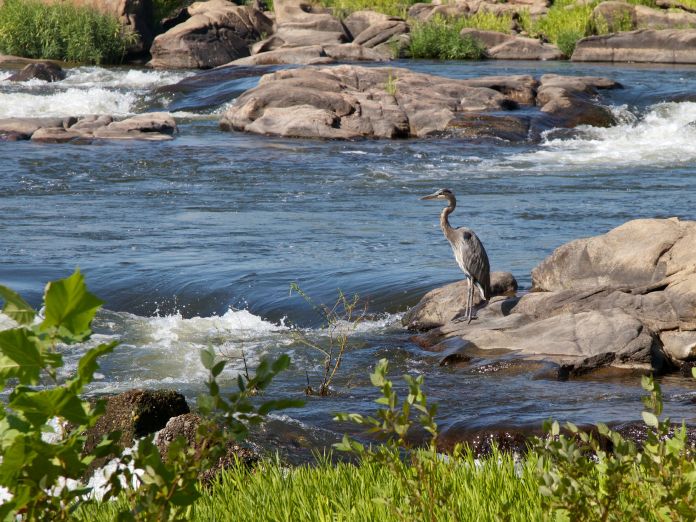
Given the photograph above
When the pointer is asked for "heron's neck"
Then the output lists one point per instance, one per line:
(444, 216)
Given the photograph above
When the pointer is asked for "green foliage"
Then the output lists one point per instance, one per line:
(580, 480)
(565, 23)
(439, 39)
(418, 473)
(486, 21)
(34, 470)
(37, 472)
(61, 31)
(390, 86)
(340, 322)
(343, 8)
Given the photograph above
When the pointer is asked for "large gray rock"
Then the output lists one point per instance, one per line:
(216, 33)
(625, 299)
(350, 102)
(647, 46)
(444, 304)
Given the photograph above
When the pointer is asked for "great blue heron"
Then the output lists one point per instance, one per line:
(468, 251)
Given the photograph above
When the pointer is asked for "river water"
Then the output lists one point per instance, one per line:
(196, 241)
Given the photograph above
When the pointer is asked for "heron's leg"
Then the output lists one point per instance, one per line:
(470, 300)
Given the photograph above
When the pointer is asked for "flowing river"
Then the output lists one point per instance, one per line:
(195, 242)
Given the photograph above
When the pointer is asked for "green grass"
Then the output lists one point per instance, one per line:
(60, 32)
(486, 22)
(346, 492)
(439, 39)
(343, 8)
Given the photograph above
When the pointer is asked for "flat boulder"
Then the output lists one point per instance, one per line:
(45, 71)
(447, 303)
(625, 299)
(645, 46)
(349, 101)
(615, 17)
(216, 32)
(154, 126)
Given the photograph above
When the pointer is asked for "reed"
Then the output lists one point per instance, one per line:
(61, 32)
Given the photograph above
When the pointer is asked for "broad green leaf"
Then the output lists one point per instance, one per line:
(40, 406)
(208, 358)
(693, 372)
(281, 363)
(650, 419)
(20, 356)
(69, 306)
(15, 307)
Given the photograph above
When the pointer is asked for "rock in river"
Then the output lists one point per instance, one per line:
(350, 101)
(151, 126)
(625, 299)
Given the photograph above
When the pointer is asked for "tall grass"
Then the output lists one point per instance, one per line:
(61, 32)
(343, 8)
(486, 21)
(485, 491)
(439, 39)
(565, 23)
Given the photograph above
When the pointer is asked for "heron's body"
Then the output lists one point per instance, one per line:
(468, 251)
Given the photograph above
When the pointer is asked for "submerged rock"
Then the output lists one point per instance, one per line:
(625, 299)
(46, 71)
(350, 101)
(153, 126)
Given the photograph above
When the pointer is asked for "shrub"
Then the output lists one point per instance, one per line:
(564, 24)
(439, 39)
(61, 32)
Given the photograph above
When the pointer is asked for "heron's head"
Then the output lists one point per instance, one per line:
(441, 194)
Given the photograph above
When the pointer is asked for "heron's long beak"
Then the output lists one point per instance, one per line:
(431, 196)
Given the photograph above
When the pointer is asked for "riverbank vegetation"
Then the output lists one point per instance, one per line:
(61, 31)
(566, 475)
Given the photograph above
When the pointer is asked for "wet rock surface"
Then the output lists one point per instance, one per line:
(46, 71)
(349, 101)
(135, 413)
(153, 126)
(625, 299)
(186, 426)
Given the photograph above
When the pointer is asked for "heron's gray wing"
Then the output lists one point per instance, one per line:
(472, 257)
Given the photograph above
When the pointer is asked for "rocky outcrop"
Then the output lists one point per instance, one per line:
(306, 34)
(153, 126)
(461, 8)
(348, 102)
(625, 299)
(46, 71)
(186, 426)
(501, 46)
(216, 32)
(648, 45)
(447, 303)
(614, 17)
(134, 413)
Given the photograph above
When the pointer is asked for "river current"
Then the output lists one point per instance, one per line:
(195, 242)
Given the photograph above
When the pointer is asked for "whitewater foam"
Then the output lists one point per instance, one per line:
(665, 136)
